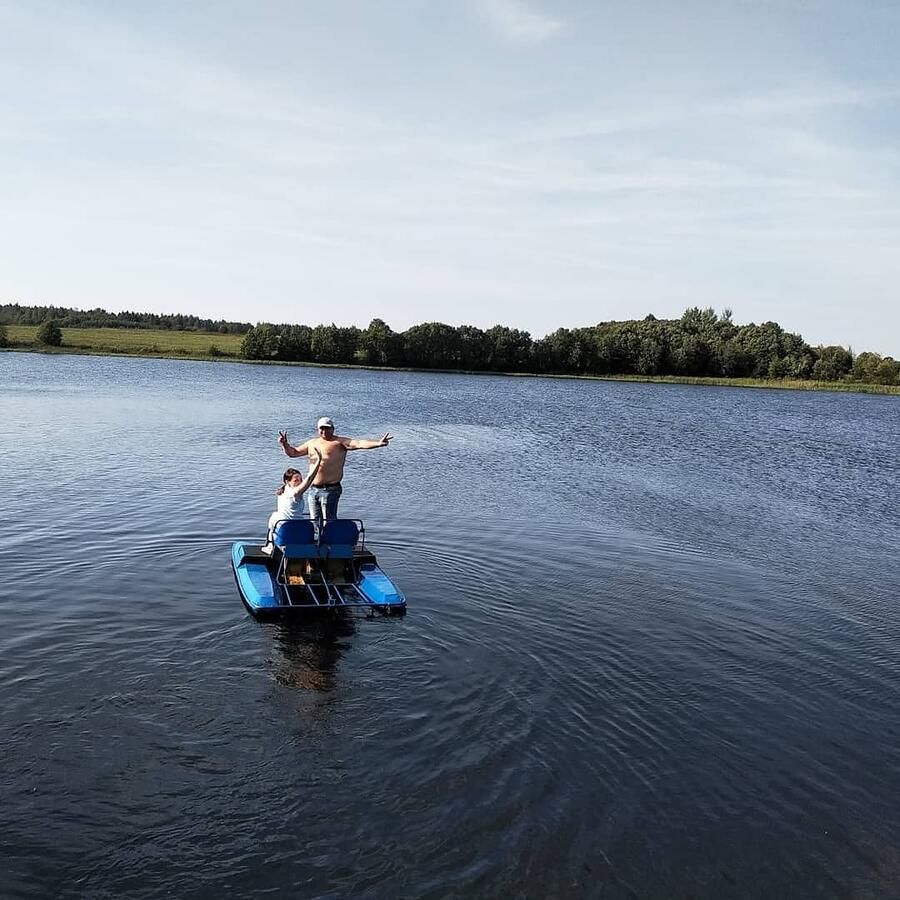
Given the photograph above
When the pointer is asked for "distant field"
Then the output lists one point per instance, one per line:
(137, 340)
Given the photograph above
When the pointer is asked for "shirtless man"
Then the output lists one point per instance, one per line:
(325, 491)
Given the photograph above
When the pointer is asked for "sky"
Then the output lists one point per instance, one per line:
(528, 163)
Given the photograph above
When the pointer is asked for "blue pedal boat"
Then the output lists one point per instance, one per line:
(307, 573)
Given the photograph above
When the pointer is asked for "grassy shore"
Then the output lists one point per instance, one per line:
(789, 384)
(202, 345)
(135, 341)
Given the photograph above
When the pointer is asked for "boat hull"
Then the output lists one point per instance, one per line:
(255, 577)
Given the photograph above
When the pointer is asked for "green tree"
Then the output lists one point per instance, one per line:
(559, 352)
(651, 358)
(261, 342)
(699, 321)
(49, 334)
(832, 363)
(295, 343)
(780, 368)
(333, 344)
(431, 345)
(737, 362)
(691, 355)
(763, 344)
(603, 350)
(4, 338)
(346, 344)
(378, 345)
(471, 348)
(888, 371)
(508, 349)
(865, 366)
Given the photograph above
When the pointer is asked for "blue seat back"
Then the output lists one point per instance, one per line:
(296, 538)
(338, 538)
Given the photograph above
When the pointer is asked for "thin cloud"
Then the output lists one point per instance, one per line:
(587, 123)
(517, 23)
(232, 180)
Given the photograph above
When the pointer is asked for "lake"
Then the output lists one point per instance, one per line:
(652, 647)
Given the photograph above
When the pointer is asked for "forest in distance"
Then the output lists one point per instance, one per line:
(701, 343)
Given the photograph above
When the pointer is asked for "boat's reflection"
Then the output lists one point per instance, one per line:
(305, 654)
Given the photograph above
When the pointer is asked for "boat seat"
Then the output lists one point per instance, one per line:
(295, 538)
(338, 538)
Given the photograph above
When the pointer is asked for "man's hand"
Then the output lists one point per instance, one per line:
(283, 439)
(386, 439)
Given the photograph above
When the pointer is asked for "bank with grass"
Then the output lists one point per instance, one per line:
(132, 342)
(150, 343)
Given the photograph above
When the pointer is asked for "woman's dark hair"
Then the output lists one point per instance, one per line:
(288, 475)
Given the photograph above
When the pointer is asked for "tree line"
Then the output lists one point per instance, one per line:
(16, 314)
(701, 343)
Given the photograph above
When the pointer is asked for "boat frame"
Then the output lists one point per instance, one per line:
(309, 571)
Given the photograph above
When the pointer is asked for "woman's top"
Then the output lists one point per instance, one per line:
(290, 503)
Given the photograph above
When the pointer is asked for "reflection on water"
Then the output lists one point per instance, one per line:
(305, 654)
(651, 650)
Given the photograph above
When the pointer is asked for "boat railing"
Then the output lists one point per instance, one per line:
(323, 581)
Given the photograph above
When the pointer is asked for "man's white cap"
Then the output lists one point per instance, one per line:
(325, 422)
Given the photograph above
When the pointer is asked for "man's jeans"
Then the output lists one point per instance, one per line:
(323, 503)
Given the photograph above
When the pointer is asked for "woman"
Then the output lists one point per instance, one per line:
(290, 497)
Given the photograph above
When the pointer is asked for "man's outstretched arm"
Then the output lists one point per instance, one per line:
(366, 444)
(300, 450)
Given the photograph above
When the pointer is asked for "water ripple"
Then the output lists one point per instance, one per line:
(672, 672)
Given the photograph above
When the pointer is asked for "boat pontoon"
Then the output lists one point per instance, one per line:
(306, 571)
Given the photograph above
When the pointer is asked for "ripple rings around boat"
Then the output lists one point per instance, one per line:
(672, 671)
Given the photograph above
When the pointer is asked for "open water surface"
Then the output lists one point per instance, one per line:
(652, 647)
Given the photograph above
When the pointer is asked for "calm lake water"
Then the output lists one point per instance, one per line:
(652, 647)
